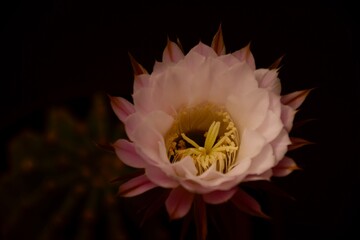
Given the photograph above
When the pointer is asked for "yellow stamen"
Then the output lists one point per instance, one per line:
(221, 141)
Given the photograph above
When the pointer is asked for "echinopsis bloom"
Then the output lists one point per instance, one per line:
(204, 122)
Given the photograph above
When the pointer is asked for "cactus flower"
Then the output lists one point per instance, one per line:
(203, 122)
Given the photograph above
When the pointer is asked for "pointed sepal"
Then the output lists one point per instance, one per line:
(286, 166)
(137, 68)
(172, 52)
(295, 99)
(297, 143)
(218, 42)
(276, 64)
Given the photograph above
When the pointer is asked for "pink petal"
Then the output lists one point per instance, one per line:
(149, 133)
(131, 124)
(247, 204)
(218, 42)
(217, 197)
(285, 167)
(172, 53)
(136, 186)
(126, 152)
(287, 116)
(121, 107)
(295, 99)
(179, 203)
(245, 54)
(141, 81)
(204, 50)
(160, 178)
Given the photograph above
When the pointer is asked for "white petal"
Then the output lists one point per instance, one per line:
(185, 167)
(240, 170)
(263, 161)
(249, 110)
(173, 88)
(280, 144)
(251, 144)
(237, 80)
(270, 127)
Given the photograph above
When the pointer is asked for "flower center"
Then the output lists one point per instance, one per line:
(207, 134)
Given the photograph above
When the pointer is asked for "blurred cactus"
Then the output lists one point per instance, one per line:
(58, 185)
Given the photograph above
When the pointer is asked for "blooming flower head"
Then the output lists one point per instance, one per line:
(204, 122)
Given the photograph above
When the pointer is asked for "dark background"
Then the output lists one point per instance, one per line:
(60, 53)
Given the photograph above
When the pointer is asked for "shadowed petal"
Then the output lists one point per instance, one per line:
(122, 107)
(136, 186)
(140, 81)
(285, 167)
(172, 53)
(247, 204)
(126, 152)
(179, 203)
(217, 197)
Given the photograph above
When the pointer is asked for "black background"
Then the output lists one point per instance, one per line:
(57, 53)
